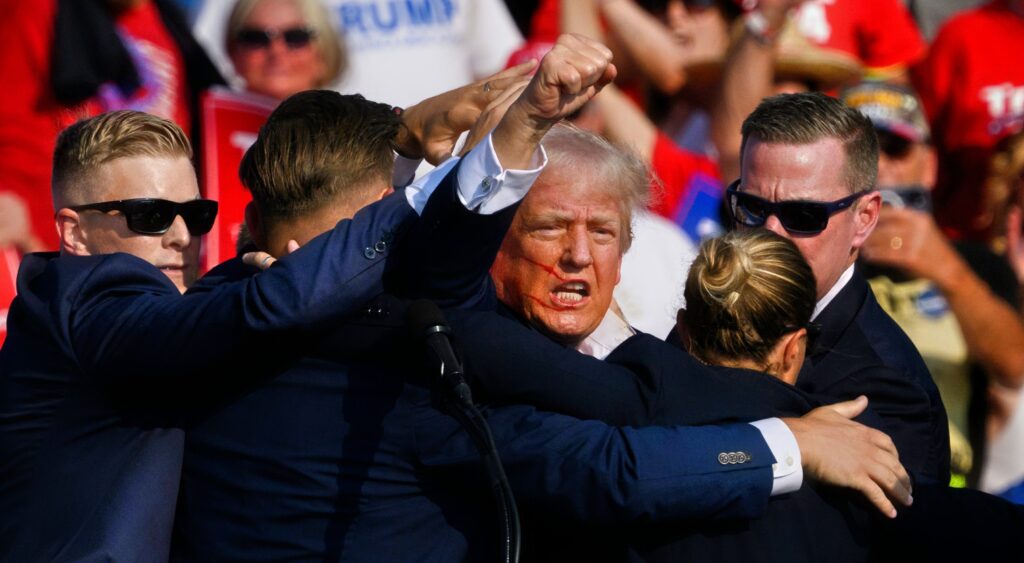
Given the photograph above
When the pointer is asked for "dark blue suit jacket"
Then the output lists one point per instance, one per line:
(862, 351)
(646, 381)
(342, 455)
(100, 348)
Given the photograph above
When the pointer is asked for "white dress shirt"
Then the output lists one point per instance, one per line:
(484, 186)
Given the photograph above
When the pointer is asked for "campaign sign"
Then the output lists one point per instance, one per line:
(230, 123)
(9, 260)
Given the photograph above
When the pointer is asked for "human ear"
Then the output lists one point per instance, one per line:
(73, 237)
(793, 351)
(866, 217)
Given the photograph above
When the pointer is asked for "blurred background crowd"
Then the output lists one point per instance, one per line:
(936, 77)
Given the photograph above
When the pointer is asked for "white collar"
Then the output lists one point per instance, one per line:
(836, 288)
(612, 331)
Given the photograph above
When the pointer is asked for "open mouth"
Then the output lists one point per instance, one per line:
(571, 293)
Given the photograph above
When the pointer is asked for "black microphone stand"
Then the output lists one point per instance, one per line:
(461, 407)
(427, 322)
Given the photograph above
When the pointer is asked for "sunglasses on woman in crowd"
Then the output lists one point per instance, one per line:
(294, 37)
(798, 217)
(147, 216)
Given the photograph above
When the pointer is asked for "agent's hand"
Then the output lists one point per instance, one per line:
(432, 127)
(263, 260)
(838, 451)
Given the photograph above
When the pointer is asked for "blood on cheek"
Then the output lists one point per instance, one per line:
(551, 272)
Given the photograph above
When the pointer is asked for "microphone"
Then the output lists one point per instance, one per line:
(426, 322)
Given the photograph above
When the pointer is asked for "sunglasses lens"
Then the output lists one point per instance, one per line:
(253, 38)
(296, 38)
(199, 215)
(803, 217)
(150, 217)
(750, 211)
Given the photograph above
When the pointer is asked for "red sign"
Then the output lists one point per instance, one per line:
(230, 123)
(9, 260)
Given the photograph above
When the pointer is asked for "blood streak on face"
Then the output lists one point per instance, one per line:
(560, 261)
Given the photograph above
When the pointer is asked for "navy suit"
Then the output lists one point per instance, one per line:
(861, 351)
(343, 455)
(646, 381)
(99, 350)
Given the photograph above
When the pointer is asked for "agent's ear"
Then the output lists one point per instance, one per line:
(254, 222)
(865, 217)
(793, 347)
(73, 237)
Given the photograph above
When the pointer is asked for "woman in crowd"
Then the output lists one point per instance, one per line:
(280, 47)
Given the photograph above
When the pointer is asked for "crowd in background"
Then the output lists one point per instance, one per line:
(937, 79)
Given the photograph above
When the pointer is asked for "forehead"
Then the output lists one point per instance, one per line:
(574, 195)
(779, 171)
(274, 12)
(163, 177)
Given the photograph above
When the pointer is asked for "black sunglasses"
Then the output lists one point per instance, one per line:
(294, 37)
(148, 216)
(798, 217)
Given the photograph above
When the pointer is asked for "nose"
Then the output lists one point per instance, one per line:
(277, 46)
(577, 251)
(177, 236)
(773, 224)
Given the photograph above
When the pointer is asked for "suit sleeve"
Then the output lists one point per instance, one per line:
(126, 319)
(644, 381)
(589, 472)
(448, 252)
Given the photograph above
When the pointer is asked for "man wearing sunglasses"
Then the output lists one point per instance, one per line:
(104, 353)
(808, 171)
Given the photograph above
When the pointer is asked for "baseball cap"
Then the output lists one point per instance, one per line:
(892, 108)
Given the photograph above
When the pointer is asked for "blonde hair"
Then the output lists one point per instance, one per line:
(746, 290)
(326, 38)
(90, 143)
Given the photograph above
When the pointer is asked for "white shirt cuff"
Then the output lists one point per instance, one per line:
(787, 471)
(404, 171)
(484, 186)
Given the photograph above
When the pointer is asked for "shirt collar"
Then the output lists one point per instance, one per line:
(612, 331)
(836, 288)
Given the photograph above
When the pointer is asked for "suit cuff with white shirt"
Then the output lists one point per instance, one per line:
(787, 471)
(485, 187)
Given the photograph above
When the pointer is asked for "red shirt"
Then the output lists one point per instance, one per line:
(680, 173)
(31, 118)
(881, 33)
(972, 88)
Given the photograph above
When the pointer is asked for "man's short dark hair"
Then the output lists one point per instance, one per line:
(805, 118)
(315, 146)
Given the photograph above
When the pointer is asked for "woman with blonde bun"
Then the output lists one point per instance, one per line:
(749, 300)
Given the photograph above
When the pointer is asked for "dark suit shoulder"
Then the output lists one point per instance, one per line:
(864, 352)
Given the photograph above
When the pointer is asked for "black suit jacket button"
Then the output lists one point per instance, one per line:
(369, 253)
